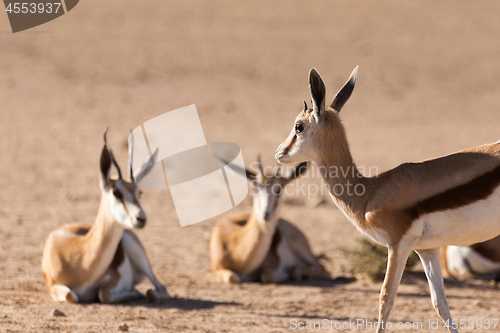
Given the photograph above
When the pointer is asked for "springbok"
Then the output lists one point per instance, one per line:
(259, 245)
(451, 200)
(478, 261)
(103, 261)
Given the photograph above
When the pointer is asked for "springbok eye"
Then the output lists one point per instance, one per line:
(118, 194)
(299, 128)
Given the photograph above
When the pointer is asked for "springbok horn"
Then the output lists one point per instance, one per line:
(259, 162)
(130, 155)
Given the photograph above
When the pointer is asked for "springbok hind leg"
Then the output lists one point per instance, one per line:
(118, 287)
(227, 275)
(306, 264)
(62, 293)
(395, 267)
(432, 266)
(113, 293)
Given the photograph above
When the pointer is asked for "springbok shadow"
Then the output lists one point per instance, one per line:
(186, 304)
(322, 283)
(412, 277)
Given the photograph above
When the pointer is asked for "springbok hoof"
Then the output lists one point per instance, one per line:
(71, 297)
(155, 296)
(296, 274)
(233, 278)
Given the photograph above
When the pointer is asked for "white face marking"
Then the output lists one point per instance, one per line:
(125, 208)
(297, 147)
(266, 200)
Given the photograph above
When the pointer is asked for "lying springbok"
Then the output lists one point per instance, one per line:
(478, 261)
(103, 261)
(259, 245)
(451, 200)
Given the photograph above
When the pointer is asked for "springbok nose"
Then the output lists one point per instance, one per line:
(141, 221)
(278, 153)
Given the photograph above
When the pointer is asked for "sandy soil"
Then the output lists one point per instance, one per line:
(428, 85)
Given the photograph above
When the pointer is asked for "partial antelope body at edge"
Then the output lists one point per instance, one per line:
(103, 261)
(451, 200)
(260, 245)
(477, 261)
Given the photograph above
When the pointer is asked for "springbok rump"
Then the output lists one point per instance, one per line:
(477, 261)
(451, 200)
(105, 260)
(260, 245)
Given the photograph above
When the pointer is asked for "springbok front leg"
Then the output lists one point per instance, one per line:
(140, 263)
(398, 254)
(432, 266)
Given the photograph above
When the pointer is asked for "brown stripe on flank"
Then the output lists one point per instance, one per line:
(289, 147)
(477, 189)
(401, 220)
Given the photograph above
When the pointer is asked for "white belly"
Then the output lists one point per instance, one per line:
(477, 222)
(89, 291)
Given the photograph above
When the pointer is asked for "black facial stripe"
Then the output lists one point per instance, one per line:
(118, 194)
(126, 210)
(290, 146)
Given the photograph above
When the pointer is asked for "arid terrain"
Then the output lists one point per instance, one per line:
(428, 85)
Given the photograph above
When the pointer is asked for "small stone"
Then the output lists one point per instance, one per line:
(57, 313)
(123, 328)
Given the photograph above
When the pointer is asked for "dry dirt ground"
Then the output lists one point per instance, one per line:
(428, 85)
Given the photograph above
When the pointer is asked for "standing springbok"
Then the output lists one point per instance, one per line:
(421, 206)
(478, 261)
(259, 245)
(103, 261)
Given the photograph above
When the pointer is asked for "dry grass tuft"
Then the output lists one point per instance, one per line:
(370, 260)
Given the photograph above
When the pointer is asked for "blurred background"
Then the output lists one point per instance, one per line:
(428, 85)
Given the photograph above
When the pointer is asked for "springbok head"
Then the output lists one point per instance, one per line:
(316, 125)
(268, 188)
(121, 196)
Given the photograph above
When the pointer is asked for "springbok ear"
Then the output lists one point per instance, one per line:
(256, 177)
(110, 152)
(345, 92)
(251, 176)
(298, 171)
(105, 167)
(318, 92)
